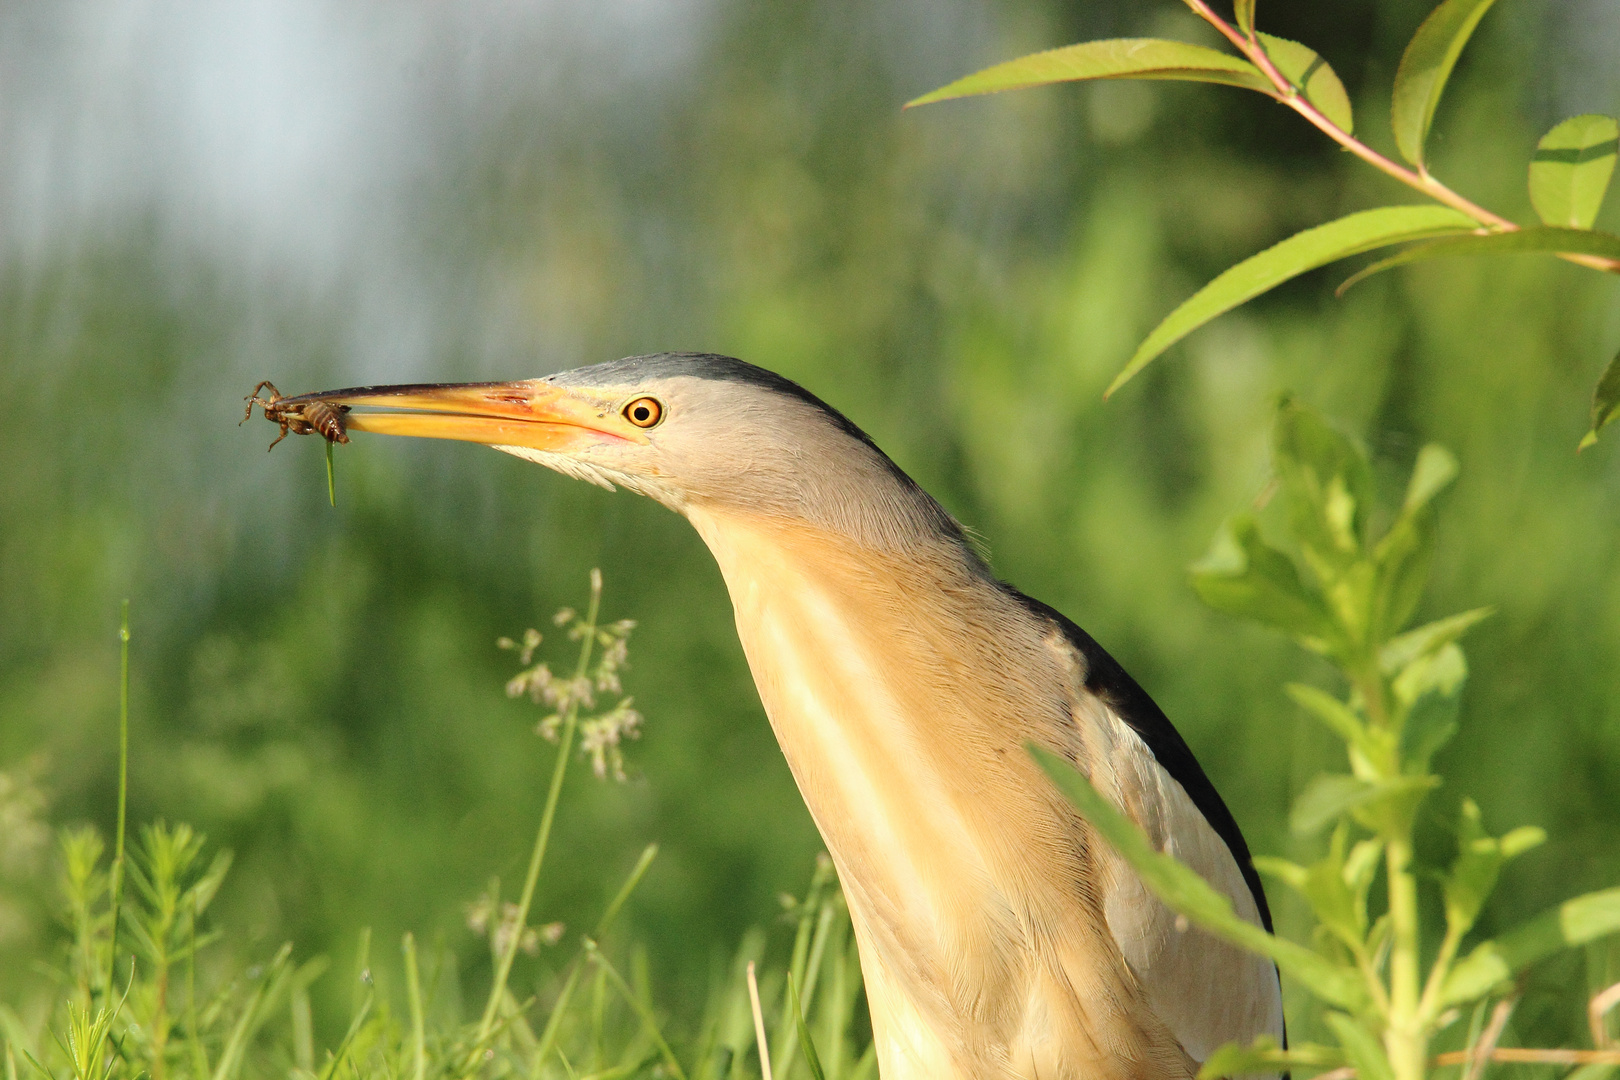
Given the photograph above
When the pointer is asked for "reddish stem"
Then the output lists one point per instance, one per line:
(1421, 180)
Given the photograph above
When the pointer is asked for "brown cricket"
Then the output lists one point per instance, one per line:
(301, 418)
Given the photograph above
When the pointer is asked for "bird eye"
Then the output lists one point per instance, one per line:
(644, 412)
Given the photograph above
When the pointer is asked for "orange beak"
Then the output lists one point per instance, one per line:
(530, 413)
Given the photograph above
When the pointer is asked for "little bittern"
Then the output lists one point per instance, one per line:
(999, 936)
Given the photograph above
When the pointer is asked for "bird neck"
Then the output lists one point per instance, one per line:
(901, 688)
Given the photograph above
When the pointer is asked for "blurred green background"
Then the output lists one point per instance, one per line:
(196, 197)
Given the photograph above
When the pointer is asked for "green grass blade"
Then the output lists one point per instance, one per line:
(413, 994)
(117, 872)
(811, 1059)
(1303, 251)
(1536, 240)
(1571, 169)
(648, 853)
(1313, 78)
(1184, 892)
(1115, 58)
(1425, 67)
(639, 1007)
(1605, 401)
(342, 1051)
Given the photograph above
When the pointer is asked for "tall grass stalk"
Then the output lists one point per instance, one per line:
(117, 882)
(565, 745)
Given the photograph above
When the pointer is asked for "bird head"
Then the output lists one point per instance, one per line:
(692, 430)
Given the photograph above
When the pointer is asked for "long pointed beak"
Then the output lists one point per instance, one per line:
(530, 413)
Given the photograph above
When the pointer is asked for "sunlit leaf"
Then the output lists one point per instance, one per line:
(1330, 895)
(1402, 556)
(1441, 671)
(1243, 12)
(1186, 893)
(1430, 724)
(1571, 169)
(1289, 873)
(1244, 576)
(1312, 76)
(1331, 711)
(1265, 1056)
(1429, 638)
(1436, 467)
(1537, 239)
(1115, 58)
(1605, 401)
(1330, 796)
(1362, 1048)
(1479, 861)
(1301, 252)
(1326, 483)
(1425, 67)
(1574, 922)
(1325, 799)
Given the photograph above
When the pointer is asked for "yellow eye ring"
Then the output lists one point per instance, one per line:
(644, 412)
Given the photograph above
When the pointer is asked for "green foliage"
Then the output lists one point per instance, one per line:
(1571, 169)
(176, 1018)
(1605, 401)
(1568, 175)
(1351, 604)
(1425, 68)
(1120, 58)
(1358, 232)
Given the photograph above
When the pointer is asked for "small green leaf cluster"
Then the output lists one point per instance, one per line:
(1569, 171)
(1347, 595)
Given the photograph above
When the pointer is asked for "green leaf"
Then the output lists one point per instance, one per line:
(1402, 559)
(1425, 67)
(1574, 922)
(1430, 724)
(1326, 482)
(1377, 805)
(1331, 711)
(1441, 671)
(1478, 863)
(1243, 12)
(1537, 239)
(1331, 897)
(1429, 639)
(1265, 1056)
(1289, 873)
(1362, 1048)
(1435, 469)
(1244, 576)
(1186, 893)
(1605, 401)
(1325, 799)
(1313, 78)
(1571, 169)
(1303, 251)
(1115, 58)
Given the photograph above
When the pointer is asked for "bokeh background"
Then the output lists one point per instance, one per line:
(197, 196)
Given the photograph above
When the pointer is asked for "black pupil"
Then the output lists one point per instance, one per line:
(643, 413)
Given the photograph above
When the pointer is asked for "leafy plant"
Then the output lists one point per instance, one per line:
(1347, 596)
(1569, 172)
(137, 1003)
